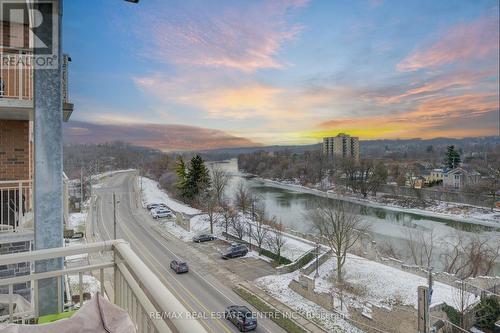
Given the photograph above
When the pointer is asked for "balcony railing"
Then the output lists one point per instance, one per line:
(16, 74)
(136, 288)
(15, 203)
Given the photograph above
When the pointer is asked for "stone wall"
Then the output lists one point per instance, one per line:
(14, 270)
(367, 248)
(305, 287)
(182, 221)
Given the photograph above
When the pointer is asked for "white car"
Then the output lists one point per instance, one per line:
(160, 213)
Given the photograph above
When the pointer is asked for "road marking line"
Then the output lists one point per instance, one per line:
(159, 240)
(137, 243)
(160, 276)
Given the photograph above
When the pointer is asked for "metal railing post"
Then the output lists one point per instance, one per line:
(21, 76)
(19, 205)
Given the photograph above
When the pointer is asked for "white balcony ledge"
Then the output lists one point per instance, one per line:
(136, 288)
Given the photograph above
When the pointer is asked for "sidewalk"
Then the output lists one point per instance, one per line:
(305, 324)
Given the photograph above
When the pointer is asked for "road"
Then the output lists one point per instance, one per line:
(201, 292)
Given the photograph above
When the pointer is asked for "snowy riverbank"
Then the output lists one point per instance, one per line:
(463, 213)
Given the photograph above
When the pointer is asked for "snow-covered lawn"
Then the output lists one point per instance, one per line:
(90, 284)
(293, 247)
(277, 286)
(76, 221)
(292, 250)
(382, 285)
(153, 194)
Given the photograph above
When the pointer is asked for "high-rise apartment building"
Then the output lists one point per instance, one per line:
(341, 146)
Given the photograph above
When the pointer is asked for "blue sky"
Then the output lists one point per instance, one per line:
(280, 72)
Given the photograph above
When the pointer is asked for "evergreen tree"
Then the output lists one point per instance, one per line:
(487, 313)
(452, 157)
(180, 169)
(197, 178)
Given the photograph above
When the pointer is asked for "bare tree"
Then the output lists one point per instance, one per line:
(412, 176)
(471, 256)
(349, 169)
(242, 197)
(255, 205)
(228, 213)
(239, 227)
(260, 229)
(220, 178)
(276, 240)
(340, 228)
(421, 247)
(462, 301)
(211, 208)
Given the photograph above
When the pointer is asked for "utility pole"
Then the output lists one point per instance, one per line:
(317, 263)
(81, 189)
(114, 215)
(423, 323)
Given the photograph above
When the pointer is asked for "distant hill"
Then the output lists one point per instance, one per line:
(155, 136)
(218, 145)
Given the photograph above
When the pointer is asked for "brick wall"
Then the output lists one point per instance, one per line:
(14, 149)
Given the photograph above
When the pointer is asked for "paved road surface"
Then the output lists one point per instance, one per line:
(199, 291)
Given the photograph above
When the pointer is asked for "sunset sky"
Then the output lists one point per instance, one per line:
(287, 72)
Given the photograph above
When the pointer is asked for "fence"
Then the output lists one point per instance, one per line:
(15, 202)
(16, 74)
(136, 288)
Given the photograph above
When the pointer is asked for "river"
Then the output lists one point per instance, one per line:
(386, 226)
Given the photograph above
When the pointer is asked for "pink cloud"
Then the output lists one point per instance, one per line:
(442, 84)
(465, 41)
(245, 38)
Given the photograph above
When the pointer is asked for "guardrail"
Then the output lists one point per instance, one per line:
(16, 74)
(15, 202)
(136, 288)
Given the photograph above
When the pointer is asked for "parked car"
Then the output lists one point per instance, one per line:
(235, 250)
(241, 317)
(204, 238)
(159, 213)
(179, 266)
(152, 206)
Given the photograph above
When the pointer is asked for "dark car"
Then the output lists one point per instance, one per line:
(241, 317)
(179, 266)
(152, 206)
(204, 238)
(235, 250)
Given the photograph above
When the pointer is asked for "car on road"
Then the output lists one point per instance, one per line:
(241, 317)
(179, 266)
(160, 213)
(235, 250)
(204, 238)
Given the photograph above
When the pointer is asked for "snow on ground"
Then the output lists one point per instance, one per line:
(90, 284)
(153, 194)
(382, 285)
(255, 254)
(177, 231)
(76, 221)
(293, 248)
(277, 286)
